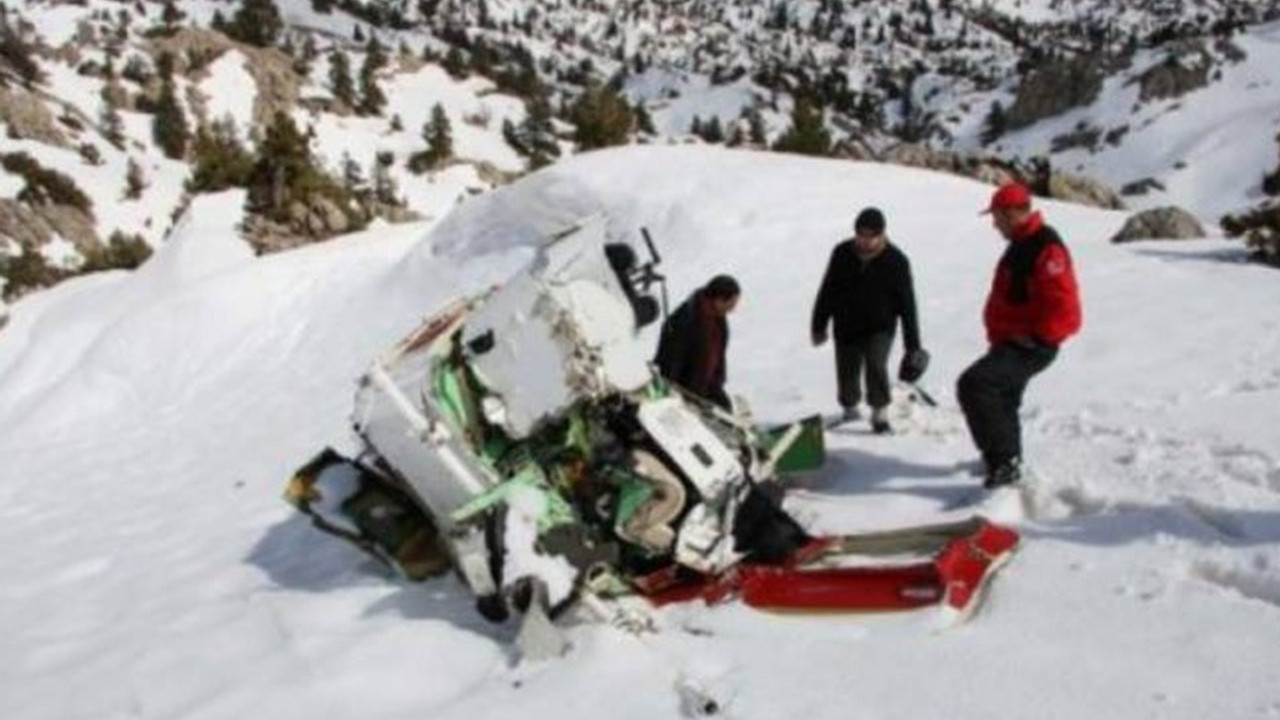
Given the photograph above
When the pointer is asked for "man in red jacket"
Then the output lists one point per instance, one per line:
(1033, 306)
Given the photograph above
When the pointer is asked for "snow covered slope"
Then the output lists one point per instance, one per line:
(149, 420)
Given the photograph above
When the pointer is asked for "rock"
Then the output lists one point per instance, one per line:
(333, 221)
(33, 227)
(1166, 223)
(1054, 89)
(26, 116)
(1083, 190)
(1185, 68)
(1141, 187)
(276, 83)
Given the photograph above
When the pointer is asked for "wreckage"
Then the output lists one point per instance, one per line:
(522, 439)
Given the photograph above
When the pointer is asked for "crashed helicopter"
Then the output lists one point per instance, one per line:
(521, 438)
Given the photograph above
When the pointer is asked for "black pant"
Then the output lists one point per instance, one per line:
(990, 393)
(867, 355)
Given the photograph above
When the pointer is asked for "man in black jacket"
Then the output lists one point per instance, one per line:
(691, 351)
(866, 289)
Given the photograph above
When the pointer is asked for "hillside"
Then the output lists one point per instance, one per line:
(151, 418)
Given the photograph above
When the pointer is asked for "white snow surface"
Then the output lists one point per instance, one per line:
(149, 420)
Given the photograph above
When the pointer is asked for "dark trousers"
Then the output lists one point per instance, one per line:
(869, 356)
(990, 394)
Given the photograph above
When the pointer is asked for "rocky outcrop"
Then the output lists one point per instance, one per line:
(1053, 89)
(26, 116)
(986, 168)
(1187, 67)
(1166, 223)
(32, 227)
(1083, 191)
(276, 83)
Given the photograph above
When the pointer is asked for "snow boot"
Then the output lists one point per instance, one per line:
(880, 421)
(1006, 472)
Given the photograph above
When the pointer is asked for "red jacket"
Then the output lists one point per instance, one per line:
(1034, 293)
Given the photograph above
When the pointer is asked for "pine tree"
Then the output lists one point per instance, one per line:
(171, 16)
(372, 99)
(712, 130)
(995, 124)
(375, 53)
(385, 190)
(135, 181)
(808, 134)
(737, 136)
(169, 127)
(18, 54)
(757, 135)
(644, 121)
(340, 83)
(535, 137)
(112, 123)
(353, 180)
(283, 170)
(602, 118)
(219, 160)
(257, 22)
(439, 136)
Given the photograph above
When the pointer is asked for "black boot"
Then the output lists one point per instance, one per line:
(1005, 472)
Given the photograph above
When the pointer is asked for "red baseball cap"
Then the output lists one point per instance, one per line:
(1008, 196)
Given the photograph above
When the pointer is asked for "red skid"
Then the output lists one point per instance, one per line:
(955, 576)
(887, 588)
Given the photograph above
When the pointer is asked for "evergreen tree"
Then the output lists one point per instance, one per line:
(808, 134)
(18, 54)
(283, 169)
(455, 63)
(340, 83)
(135, 181)
(169, 126)
(439, 136)
(324, 7)
(375, 53)
(385, 191)
(755, 122)
(219, 160)
(257, 22)
(353, 180)
(737, 136)
(712, 130)
(602, 118)
(644, 121)
(372, 99)
(995, 124)
(535, 136)
(695, 126)
(112, 123)
(171, 16)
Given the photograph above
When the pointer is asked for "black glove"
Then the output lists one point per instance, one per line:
(914, 363)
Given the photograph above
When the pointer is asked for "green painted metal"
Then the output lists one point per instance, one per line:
(807, 453)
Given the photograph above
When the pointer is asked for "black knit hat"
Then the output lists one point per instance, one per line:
(869, 220)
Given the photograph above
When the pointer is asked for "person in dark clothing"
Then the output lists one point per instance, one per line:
(867, 288)
(1033, 307)
(691, 349)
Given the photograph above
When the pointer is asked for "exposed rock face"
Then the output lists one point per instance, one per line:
(986, 168)
(32, 227)
(1054, 89)
(272, 71)
(317, 219)
(1166, 223)
(1185, 68)
(25, 115)
(1083, 191)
